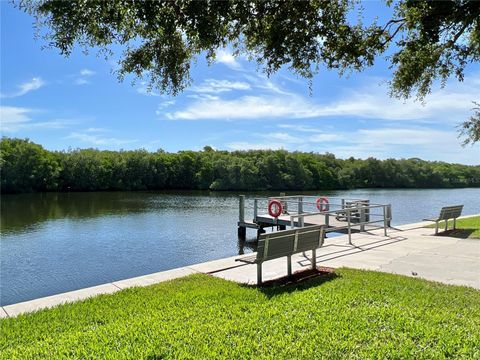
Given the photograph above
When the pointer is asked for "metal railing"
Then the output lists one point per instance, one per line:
(354, 212)
(360, 212)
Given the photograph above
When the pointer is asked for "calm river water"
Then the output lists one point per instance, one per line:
(56, 242)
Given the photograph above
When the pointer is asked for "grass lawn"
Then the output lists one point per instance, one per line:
(466, 228)
(350, 314)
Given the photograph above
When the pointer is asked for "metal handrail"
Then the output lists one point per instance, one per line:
(348, 212)
(351, 209)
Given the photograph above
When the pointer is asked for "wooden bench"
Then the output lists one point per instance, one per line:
(286, 243)
(447, 212)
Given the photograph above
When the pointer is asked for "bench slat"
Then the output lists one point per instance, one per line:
(286, 243)
(282, 243)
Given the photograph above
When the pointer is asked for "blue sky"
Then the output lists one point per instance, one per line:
(77, 102)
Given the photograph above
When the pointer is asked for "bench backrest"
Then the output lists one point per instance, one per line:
(450, 212)
(287, 242)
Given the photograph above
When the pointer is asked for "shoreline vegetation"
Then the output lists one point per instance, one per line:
(28, 167)
(349, 313)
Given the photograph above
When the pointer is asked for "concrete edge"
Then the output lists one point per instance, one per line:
(85, 293)
(155, 278)
(58, 299)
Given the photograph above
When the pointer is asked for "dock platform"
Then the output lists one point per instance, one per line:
(338, 215)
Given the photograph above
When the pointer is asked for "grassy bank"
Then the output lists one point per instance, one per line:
(354, 313)
(466, 228)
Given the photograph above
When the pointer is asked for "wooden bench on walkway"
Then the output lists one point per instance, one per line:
(447, 212)
(286, 243)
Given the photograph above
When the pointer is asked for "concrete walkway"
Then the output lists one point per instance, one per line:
(407, 250)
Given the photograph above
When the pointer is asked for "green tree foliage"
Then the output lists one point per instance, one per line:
(470, 129)
(433, 39)
(27, 167)
(429, 40)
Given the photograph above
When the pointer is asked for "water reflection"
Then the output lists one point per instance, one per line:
(247, 245)
(21, 212)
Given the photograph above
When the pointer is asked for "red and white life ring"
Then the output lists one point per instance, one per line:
(322, 203)
(275, 208)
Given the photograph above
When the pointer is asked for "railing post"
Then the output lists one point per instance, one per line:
(242, 230)
(343, 204)
(389, 215)
(284, 203)
(300, 211)
(349, 228)
(385, 219)
(255, 210)
(367, 211)
(362, 216)
(241, 208)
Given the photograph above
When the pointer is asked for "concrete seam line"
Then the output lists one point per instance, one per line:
(118, 287)
(6, 312)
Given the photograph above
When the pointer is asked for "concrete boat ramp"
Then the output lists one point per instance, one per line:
(410, 250)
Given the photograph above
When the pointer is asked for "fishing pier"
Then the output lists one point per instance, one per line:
(339, 215)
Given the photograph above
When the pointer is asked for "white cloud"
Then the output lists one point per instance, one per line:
(376, 104)
(34, 84)
(384, 142)
(218, 86)
(13, 119)
(403, 136)
(411, 141)
(163, 105)
(245, 107)
(300, 128)
(283, 137)
(244, 145)
(87, 72)
(325, 137)
(226, 57)
(449, 105)
(204, 97)
(98, 139)
(261, 81)
(96, 130)
(81, 79)
(143, 89)
(301, 138)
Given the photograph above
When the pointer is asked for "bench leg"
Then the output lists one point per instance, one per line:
(259, 274)
(314, 259)
(289, 265)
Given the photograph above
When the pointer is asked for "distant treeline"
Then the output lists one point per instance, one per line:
(27, 167)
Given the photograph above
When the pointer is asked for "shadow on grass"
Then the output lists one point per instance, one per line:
(300, 280)
(458, 233)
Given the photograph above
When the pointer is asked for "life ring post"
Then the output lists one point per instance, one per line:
(275, 208)
(323, 204)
